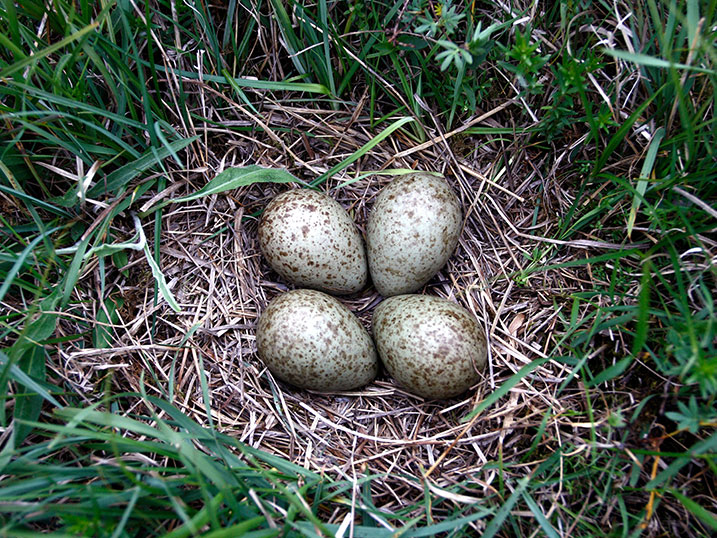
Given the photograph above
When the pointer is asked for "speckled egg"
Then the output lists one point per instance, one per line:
(412, 230)
(311, 340)
(432, 347)
(311, 241)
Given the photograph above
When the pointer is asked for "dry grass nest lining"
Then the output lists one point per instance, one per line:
(212, 262)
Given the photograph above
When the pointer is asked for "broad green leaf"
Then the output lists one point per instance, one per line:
(120, 260)
(233, 178)
(230, 179)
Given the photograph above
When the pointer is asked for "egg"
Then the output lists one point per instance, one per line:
(311, 241)
(431, 346)
(412, 230)
(311, 340)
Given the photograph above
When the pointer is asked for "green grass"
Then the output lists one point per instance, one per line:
(99, 109)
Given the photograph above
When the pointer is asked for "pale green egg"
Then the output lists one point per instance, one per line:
(311, 340)
(311, 241)
(412, 230)
(431, 346)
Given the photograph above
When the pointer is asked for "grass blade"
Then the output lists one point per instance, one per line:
(643, 305)
(645, 173)
(269, 85)
(651, 61)
(122, 176)
(21, 259)
(504, 511)
(697, 510)
(701, 447)
(28, 406)
(447, 525)
(161, 281)
(36, 201)
(291, 41)
(198, 521)
(17, 375)
(109, 420)
(106, 317)
(323, 15)
(620, 135)
(127, 513)
(504, 388)
(548, 529)
(617, 255)
(610, 373)
(37, 56)
(363, 150)
(74, 271)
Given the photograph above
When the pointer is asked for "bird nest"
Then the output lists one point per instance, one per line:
(210, 257)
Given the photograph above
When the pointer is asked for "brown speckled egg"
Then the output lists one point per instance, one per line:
(431, 346)
(311, 241)
(412, 230)
(311, 340)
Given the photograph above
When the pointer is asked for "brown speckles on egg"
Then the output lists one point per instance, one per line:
(311, 340)
(411, 232)
(306, 236)
(431, 346)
